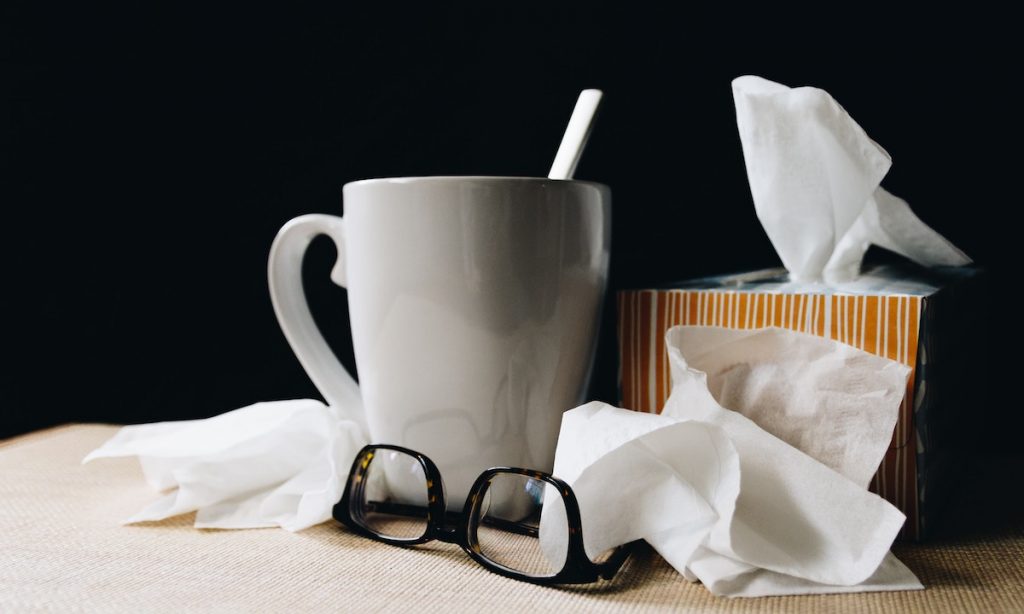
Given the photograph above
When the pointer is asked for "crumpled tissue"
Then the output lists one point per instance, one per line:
(753, 478)
(814, 175)
(278, 464)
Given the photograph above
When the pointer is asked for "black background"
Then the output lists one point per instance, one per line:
(150, 155)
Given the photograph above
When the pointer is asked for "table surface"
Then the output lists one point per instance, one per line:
(62, 547)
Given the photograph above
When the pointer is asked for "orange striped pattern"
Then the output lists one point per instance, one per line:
(882, 325)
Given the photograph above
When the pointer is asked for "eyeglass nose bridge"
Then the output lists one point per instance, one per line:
(450, 527)
(448, 534)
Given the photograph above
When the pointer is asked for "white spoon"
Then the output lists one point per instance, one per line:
(576, 134)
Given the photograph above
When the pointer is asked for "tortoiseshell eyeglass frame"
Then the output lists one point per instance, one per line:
(461, 529)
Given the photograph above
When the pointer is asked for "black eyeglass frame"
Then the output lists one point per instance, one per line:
(577, 569)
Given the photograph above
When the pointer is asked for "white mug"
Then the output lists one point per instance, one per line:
(474, 304)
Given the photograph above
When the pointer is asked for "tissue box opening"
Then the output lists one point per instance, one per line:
(926, 319)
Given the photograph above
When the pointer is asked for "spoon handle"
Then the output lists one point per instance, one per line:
(576, 134)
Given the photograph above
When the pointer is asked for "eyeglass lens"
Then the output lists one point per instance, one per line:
(391, 499)
(521, 525)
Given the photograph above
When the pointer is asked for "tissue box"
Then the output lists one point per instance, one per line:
(926, 319)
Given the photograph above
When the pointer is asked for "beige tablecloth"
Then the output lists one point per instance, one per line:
(62, 548)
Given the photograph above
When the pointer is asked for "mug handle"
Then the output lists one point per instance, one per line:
(284, 272)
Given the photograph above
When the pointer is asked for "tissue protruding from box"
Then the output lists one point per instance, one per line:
(815, 179)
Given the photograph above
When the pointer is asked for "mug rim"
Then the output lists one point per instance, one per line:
(485, 178)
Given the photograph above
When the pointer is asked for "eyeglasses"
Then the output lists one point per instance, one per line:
(520, 523)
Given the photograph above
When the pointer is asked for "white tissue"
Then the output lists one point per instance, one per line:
(266, 465)
(814, 175)
(725, 501)
(832, 401)
(743, 508)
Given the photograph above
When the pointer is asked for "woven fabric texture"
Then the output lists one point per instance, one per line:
(62, 548)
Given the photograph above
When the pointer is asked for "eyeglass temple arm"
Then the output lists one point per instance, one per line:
(610, 567)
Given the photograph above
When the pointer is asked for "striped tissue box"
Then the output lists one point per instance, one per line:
(917, 317)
